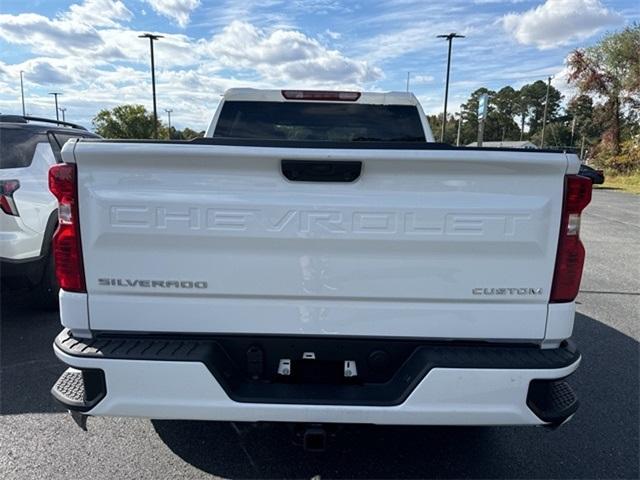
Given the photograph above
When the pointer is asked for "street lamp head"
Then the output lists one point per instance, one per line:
(450, 36)
(150, 36)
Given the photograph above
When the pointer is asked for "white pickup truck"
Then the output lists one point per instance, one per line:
(317, 258)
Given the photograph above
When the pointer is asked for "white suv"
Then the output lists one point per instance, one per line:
(28, 211)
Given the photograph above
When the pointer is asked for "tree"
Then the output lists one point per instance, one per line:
(610, 69)
(175, 134)
(450, 129)
(581, 109)
(507, 106)
(557, 134)
(534, 96)
(523, 108)
(125, 121)
(470, 114)
(188, 134)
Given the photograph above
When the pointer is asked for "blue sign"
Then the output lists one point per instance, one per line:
(483, 103)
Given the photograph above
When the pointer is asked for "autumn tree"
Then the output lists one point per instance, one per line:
(611, 70)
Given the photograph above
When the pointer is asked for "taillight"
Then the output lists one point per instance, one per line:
(570, 257)
(67, 250)
(320, 95)
(7, 204)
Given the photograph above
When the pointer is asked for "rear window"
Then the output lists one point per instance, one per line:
(331, 122)
(17, 146)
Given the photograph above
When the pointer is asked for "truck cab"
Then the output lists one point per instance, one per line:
(318, 115)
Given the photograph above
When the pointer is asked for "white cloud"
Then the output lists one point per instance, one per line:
(47, 35)
(98, 13)
(332, 35)
(171, 50)
(560, 81)
(421, 79)
(177, 10)
(490, 2)
(559, 22)
(72, 31)
(99, 62)
(287, 55)
(45, 72)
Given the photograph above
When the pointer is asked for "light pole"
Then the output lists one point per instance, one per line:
(449, 38)
(408, 78)
(24, 114)
(459, 127)
(151, 38)
(544, 115)
(55, 95)
(168, 110)
(63, 109)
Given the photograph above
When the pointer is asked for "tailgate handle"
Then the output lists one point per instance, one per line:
(321, 170)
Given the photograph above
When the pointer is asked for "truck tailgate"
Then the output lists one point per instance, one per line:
(213, 238)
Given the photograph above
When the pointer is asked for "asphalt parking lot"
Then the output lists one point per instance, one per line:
(39, 440)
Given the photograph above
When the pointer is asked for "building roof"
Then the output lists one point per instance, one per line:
(506, 144)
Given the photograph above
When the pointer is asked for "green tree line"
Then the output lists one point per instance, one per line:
(134, 121)
(603, 118)
(511, 115)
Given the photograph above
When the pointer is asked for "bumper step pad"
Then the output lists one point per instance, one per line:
(80, 390)
(552, 401)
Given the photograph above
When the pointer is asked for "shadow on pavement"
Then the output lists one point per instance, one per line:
(601, 441)
(28, 366)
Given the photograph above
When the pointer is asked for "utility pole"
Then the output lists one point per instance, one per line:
(168, 110)
(582, 150)
(449, 38)
(55, 95)
(544, 116)
(408, 77)
(480, 132)
(63, 109)
(459, 126)
(523, 106)
(152, 38)
(24, 111)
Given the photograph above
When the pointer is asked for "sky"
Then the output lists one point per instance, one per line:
(90, 51)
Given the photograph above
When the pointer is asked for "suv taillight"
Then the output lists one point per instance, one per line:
(570, 258)
(67, 250)
(7, 204)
